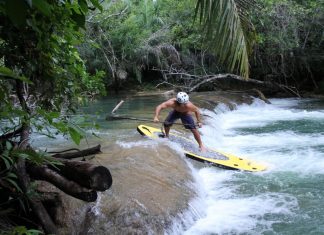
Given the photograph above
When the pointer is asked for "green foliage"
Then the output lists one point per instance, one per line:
(94, 85)
(290, 42)
(42, 78)
(21, 230)
(229, 31)
(45, 58)
(138, 36)
(8, 178)
(8, 73)
(8, 159)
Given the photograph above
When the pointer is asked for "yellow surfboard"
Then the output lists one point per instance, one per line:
(214, 157)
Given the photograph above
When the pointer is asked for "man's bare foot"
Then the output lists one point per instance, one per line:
(202, 149)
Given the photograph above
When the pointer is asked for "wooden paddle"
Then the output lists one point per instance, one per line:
(118, 117)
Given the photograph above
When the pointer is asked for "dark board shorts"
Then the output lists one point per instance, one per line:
(186, 119)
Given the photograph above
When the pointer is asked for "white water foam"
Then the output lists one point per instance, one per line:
(275, 149)
(219, 210)
(220, 207)
(147, 143)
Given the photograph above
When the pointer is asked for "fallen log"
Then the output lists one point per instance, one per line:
(80, 153)
(234, 82)
(69, 187)
(85, 174)
(261, 96)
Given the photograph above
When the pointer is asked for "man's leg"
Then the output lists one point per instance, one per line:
(198, 139)
(167, 130)
(189, 123)
(173, 115)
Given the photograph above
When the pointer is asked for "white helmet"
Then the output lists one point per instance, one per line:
(182, 98)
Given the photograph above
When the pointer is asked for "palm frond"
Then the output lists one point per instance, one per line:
(228, 31)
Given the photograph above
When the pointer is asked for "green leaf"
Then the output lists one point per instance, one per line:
(34, 232)
(43, 7)
(35, 157)
(84, 6)
(7, 161)
(13, 183)
(53, 162)
(6, 72)
(79, 19)
(61, 126)
(96, 4)
(12, 175)
(8, 145)
(79, 120)
(75, 135)
(48, 116)
(227, 25)
(20, 154)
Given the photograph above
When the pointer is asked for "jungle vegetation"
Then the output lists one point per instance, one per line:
(56, 54)
(159, 41)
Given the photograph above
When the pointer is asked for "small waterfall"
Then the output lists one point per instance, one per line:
(288, 137)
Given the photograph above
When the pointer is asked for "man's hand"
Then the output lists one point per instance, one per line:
(199, 124)
(156, 119)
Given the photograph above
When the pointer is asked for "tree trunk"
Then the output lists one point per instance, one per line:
(85, 174)
(67, 186)
(37, 206)
(80, 153)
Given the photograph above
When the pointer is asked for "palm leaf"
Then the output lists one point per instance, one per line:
(228, 30)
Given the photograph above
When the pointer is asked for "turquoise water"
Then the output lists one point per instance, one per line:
(138, 107)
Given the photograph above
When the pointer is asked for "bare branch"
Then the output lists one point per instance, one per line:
(11, 134)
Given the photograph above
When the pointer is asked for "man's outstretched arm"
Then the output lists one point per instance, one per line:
(158, 109)
(198, 116)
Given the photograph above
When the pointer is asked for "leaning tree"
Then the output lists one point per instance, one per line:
(42, 78)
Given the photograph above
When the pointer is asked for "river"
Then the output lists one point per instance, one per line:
(287, 198)
(287, 136)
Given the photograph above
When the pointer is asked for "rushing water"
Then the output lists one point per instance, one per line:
(288, 198)
(287, 136)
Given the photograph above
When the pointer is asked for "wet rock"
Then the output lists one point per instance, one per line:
(152, 184)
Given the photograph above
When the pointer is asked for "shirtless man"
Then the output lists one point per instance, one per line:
(182, 108)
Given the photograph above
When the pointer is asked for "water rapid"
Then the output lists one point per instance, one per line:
(157, 190)
(287, 136)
